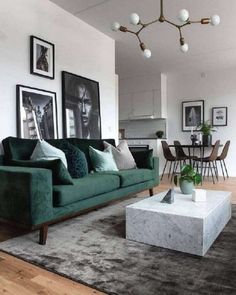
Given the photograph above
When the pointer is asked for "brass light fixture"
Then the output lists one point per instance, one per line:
(183, 17)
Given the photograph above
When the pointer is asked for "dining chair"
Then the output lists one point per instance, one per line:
(169, 157)
(209, 162)
(222, 158)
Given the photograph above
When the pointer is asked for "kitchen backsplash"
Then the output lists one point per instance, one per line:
(143, 128)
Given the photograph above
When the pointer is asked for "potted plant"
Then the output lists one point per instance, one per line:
(159, 134)
(206, 128)
(187, 179)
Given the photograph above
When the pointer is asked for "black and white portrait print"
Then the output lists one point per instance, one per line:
(192, 114)
(42, 58)
(37, 113)
(81, 107)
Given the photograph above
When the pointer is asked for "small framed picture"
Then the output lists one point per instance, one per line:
(192, 114)
(219, 116)
(36, 113)
(42, 58)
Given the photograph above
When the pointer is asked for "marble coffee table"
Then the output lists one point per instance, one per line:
(185, 226)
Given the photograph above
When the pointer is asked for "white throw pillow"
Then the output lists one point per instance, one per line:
(122, 155)
(45, 151)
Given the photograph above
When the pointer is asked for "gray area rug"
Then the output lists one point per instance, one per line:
(92, 249)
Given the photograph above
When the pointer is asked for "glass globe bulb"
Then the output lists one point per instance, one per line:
(183, 15)
(215, 20)
(184, 48)
(134, 18)
(115, 26)
(147, 53)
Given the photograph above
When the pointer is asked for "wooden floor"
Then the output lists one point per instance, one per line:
(20, 278)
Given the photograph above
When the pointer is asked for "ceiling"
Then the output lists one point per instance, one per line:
(210, 48)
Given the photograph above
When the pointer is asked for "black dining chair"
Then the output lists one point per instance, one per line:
(209, 162)
(169, 157)
(222, 158)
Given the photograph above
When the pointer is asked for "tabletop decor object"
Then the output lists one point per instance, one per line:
(187, 179)
(169, 197)
(206, 128)
(199, 195)
(183, 17)
(159, 134)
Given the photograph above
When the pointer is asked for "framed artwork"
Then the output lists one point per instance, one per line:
(219, 116)
(81, 107)
(192, 114)
(36, 113)
(42, 58)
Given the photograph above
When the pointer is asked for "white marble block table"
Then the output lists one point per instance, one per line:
(184, 226)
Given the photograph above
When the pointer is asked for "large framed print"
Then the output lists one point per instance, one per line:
(36, 113)
(81, 107)
(192, 114)
(219, 116)
(42, 58)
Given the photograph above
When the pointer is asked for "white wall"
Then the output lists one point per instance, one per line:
(217, 89)
(80, 49)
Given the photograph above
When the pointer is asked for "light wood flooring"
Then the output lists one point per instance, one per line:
(21, 278)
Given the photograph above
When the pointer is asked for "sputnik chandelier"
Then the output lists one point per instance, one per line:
(183, 17)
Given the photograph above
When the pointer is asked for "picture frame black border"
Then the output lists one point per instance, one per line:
(32, 56)
(63, 73)
(187, 101)
(18, 118)
(212, 114)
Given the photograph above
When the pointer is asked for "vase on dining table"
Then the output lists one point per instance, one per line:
(207, 140)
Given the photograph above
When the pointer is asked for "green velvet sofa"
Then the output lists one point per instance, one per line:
(29, 199)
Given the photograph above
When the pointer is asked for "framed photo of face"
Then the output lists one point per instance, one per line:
(192, 114)
(36, 113)
(81, 107)
(219, 116)
(42, 58)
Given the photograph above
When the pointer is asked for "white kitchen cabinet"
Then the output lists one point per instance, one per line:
(143, 104)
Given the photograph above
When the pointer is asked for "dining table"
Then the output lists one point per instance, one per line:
(192, 148)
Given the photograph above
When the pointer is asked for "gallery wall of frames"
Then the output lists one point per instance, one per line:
(37, 114)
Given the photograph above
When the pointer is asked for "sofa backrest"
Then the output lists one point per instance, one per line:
(21, 149)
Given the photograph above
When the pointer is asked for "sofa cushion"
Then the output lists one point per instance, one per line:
(18, 148)
(132, 176)
(84, 188)
(102, 161)
(60, 175)
(122, 155)
(83, 145)
(76, 160)
(45, 151)
(143, 159)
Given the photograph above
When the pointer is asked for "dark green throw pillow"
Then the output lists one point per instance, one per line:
(143, 159)
(76, 160)
(60, 175)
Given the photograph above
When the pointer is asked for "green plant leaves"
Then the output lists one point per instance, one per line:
(189, 174)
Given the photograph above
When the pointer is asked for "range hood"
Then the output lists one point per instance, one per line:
(142, 117)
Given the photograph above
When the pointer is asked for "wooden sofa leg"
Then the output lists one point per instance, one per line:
(151, 192)
(43, 235)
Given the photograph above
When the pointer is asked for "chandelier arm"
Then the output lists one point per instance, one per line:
(180, 33)
(150, 23)
(173, 24)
